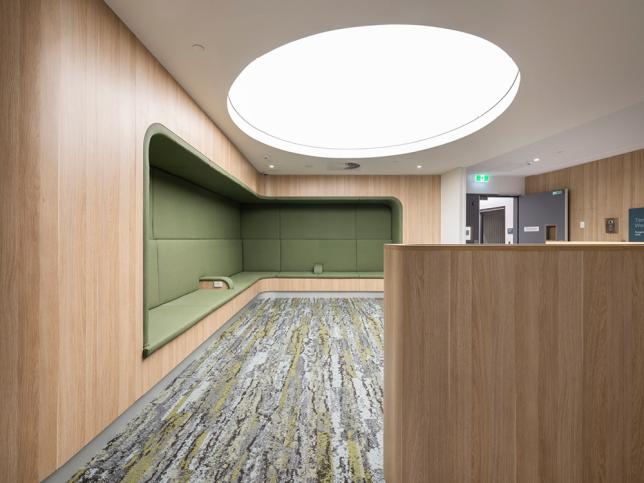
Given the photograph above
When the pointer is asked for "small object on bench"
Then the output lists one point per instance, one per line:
(215, 282)
(317, 268)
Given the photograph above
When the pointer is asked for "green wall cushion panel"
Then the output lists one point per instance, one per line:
(182, 210)
(373, 222)
(152, 275)
(335, 255)
(371, 255)
(330, 222)
(261, 255)
(183, 262)
(318, 268)
(260, 222)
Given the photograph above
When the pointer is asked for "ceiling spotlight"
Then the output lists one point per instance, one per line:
(536, 160)
(271, 166)
(419, 166)
(267, 157)
(199, 47)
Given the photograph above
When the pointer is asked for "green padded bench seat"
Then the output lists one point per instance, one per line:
(338, 275)
(243, 280)
(167, 321)
(371, 274)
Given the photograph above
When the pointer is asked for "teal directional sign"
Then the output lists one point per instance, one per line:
(636, 225)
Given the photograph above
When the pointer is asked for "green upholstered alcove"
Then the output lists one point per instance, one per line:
(199, 221)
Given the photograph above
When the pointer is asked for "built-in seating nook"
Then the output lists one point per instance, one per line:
(202, 224)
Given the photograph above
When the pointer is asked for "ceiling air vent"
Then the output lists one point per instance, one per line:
(341, 165)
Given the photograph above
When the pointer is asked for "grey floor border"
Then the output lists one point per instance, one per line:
(80, 459)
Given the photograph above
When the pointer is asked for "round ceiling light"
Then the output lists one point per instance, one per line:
(373, 91)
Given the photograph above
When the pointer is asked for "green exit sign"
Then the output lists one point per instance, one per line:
(481, 178)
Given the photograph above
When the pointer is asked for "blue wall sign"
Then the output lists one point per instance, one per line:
(636, 225)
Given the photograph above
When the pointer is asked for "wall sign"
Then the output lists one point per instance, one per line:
(528, 229)
(636, 225)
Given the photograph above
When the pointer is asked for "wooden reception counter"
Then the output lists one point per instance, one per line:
(514, 363)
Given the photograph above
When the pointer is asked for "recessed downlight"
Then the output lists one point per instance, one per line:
(419, 166)
(271, 166)
(536, 160)
(199, 47)
(373, 91)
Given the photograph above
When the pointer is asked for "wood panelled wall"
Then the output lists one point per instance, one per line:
(602, 189)
(526, 364)
(78, 92)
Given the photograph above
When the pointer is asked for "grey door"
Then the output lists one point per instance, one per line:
(543, 216)
(472, 217)
(493, 226)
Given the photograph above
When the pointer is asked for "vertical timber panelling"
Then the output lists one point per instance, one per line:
(19, 242)
(542, 348)
(601, 189)
(78, 93)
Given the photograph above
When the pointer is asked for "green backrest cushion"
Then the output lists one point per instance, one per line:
(327, 222)
(371, 255)
(182, 262)
(260, 222)
(291, 237)
(182, 210)
(260, 228)
(151, 275)
(194, 232)
(335, 255)
(261, 255)
(373, 222)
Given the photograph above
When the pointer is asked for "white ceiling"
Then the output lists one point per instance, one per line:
(581, 61)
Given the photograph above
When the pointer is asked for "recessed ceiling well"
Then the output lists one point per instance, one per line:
(581, 96)
(373, 91)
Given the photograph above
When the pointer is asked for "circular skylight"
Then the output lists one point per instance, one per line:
(373, 91)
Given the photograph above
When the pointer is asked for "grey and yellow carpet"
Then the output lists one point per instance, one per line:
(290, 391)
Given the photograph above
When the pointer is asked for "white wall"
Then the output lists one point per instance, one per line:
(508, 204)
(498, 185)
(453, 191)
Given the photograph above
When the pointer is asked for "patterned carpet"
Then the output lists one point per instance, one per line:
(290, 391)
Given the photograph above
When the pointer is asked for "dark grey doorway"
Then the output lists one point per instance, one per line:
(543, 217)
(493, 226)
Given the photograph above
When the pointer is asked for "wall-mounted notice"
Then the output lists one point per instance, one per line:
(528, 229)
(636, 225)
